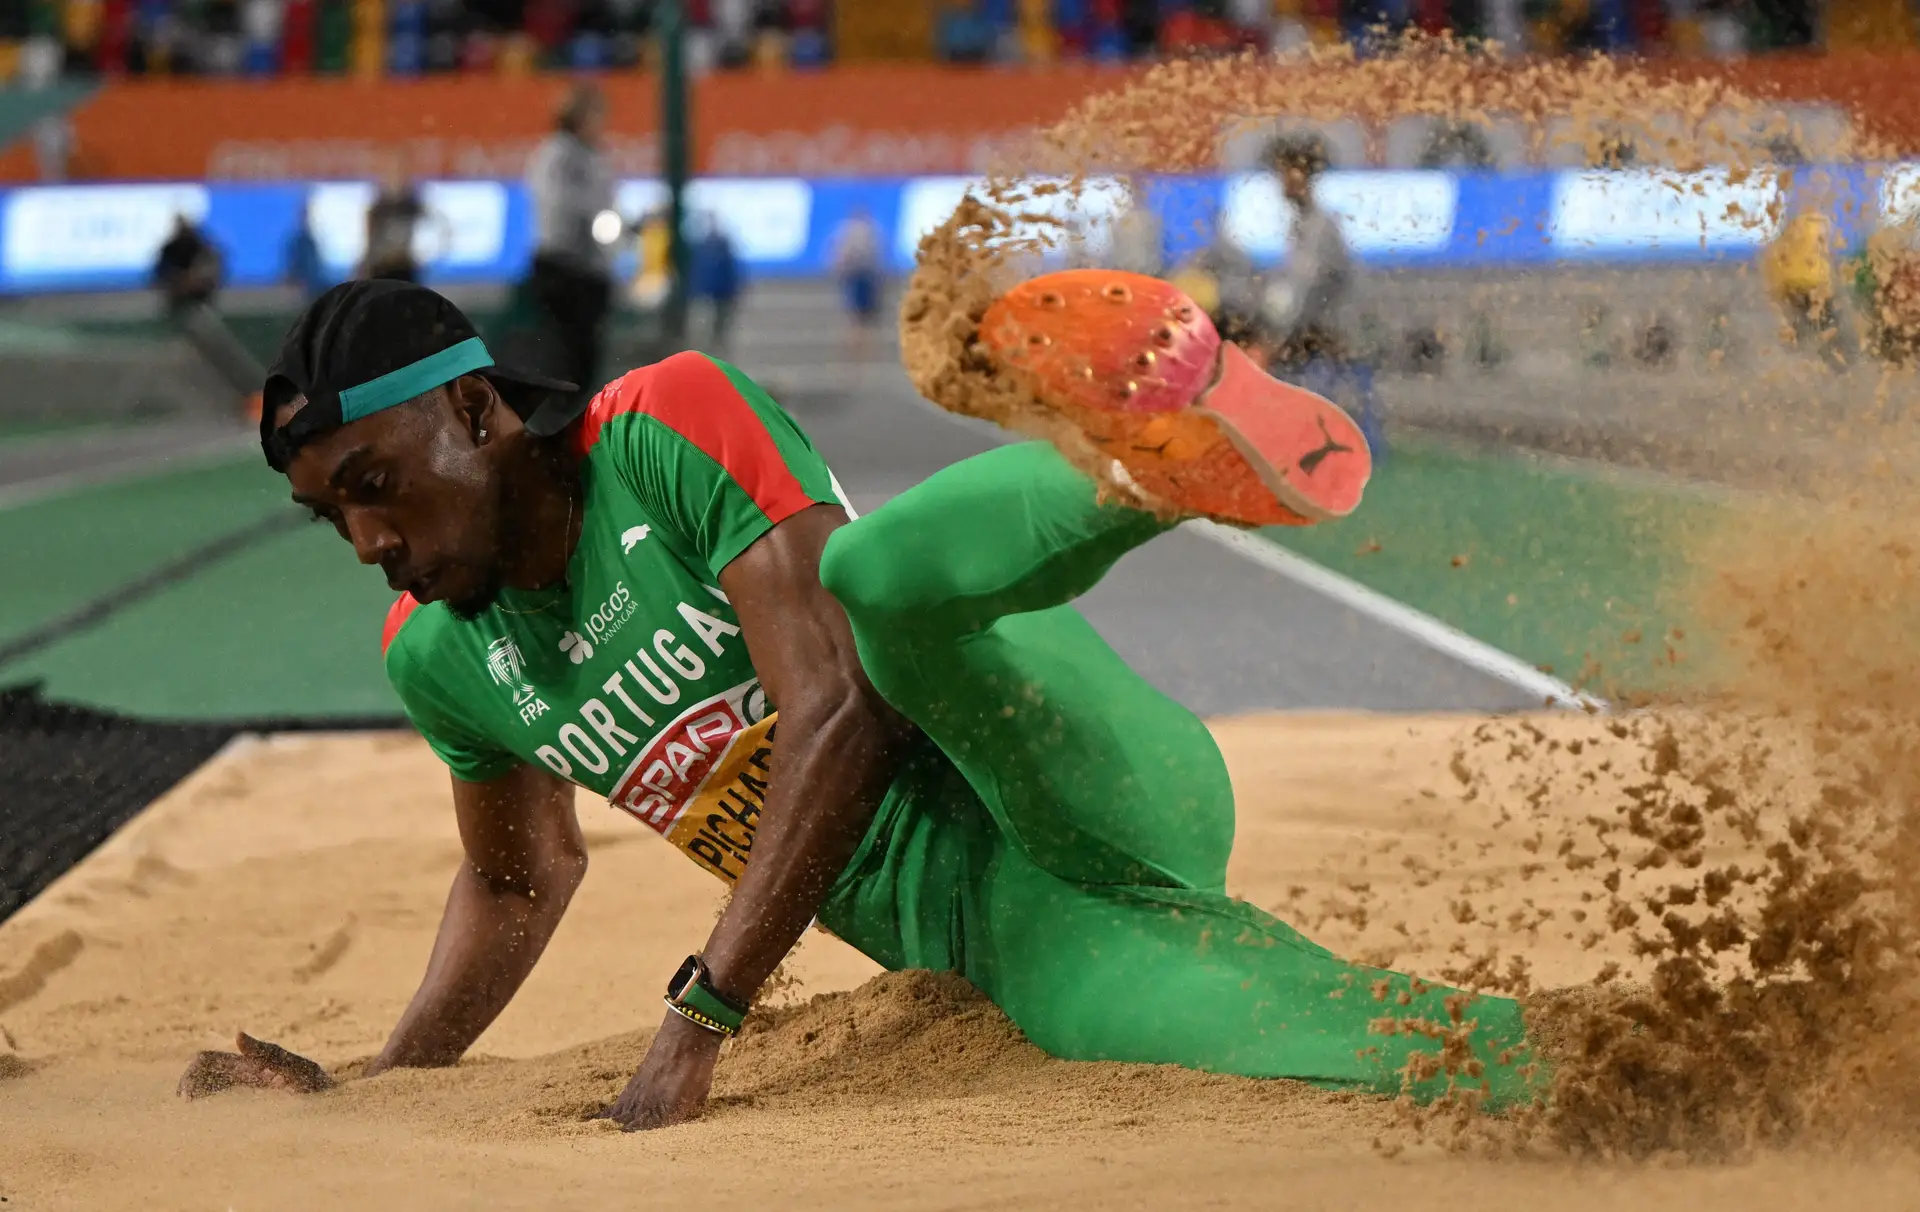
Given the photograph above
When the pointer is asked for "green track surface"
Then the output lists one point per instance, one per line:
(16, 434)
(1560, 565)
(66, 551)
(290, 627)
(1556, 565)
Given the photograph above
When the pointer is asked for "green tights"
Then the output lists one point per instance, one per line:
(1063, 840)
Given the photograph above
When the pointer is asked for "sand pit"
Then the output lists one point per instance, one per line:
(292, 888)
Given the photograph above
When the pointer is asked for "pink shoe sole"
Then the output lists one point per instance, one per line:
(1139, 369)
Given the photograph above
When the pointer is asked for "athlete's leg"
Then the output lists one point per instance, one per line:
(1078, 775)
(1192, 977)
(1145, 974)
(956, 590)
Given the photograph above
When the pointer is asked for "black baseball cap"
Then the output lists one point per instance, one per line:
(366, 346)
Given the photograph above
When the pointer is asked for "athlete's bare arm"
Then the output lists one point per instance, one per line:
(524, 860)
(834, 754)
(837, 744)
(835, 751)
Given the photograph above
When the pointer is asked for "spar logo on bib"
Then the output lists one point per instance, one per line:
(676, 762)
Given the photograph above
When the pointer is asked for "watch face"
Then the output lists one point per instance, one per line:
(689, 968)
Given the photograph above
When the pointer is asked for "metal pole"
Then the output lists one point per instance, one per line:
(674, 147)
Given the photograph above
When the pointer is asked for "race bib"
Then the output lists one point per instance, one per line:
(702, 780)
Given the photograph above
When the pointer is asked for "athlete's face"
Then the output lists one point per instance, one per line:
(417, 489)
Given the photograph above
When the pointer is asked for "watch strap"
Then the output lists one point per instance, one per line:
(703, 1000)
(697, 999)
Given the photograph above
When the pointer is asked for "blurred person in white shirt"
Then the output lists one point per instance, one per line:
(1302, 327)
(1138, 242)
(1302, 310)
(53, 141)
(575, 229)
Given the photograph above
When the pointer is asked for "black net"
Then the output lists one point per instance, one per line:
(70, 775)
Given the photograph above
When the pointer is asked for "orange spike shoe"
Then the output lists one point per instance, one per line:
(1138, 368)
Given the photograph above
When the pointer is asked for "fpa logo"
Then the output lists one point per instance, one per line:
(508, 668)
(578, 648)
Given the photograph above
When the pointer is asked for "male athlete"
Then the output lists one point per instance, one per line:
(963, 777)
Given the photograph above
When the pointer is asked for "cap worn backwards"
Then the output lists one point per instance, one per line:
(363, 347)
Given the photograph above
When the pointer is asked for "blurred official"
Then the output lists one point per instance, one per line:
(714, 282)
(1302, 310)
(392, 222)
(575, 227)
(1302, 323)
(188, 274)
(305, 267)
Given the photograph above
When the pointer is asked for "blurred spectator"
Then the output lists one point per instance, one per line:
(393, 221)
(575, 227)
(1774, 24)
(305, 268)
(653, 274)
(714, 282)
(1222, 279)
(1137, 236)
(1886, 283)
(189, 268)
(188, 273)
(1457, 145)
(410, 37)
(1800, 270)
(856, 266)
(1200, 28)
(1302, 302)
(1302, 323)
(965, 35)
(53, 147)
(1722, 32)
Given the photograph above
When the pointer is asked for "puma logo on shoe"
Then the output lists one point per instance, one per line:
(1311, 460)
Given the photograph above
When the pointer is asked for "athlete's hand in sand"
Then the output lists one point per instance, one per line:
(672, 1082)
(258, 1064)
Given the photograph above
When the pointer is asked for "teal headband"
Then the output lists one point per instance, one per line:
(417, 378)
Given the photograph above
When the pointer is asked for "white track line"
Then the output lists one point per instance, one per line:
(1449, 641)
(1446, 640)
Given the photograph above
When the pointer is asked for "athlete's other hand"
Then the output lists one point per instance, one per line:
(671, 1084)
(258, 1064)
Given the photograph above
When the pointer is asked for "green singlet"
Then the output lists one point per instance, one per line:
(1061, 838)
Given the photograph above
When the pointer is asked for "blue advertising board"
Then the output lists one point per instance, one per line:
(105, 237)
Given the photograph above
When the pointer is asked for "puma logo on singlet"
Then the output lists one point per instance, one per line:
(1311, 460)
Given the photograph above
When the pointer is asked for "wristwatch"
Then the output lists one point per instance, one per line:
(691, 995)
